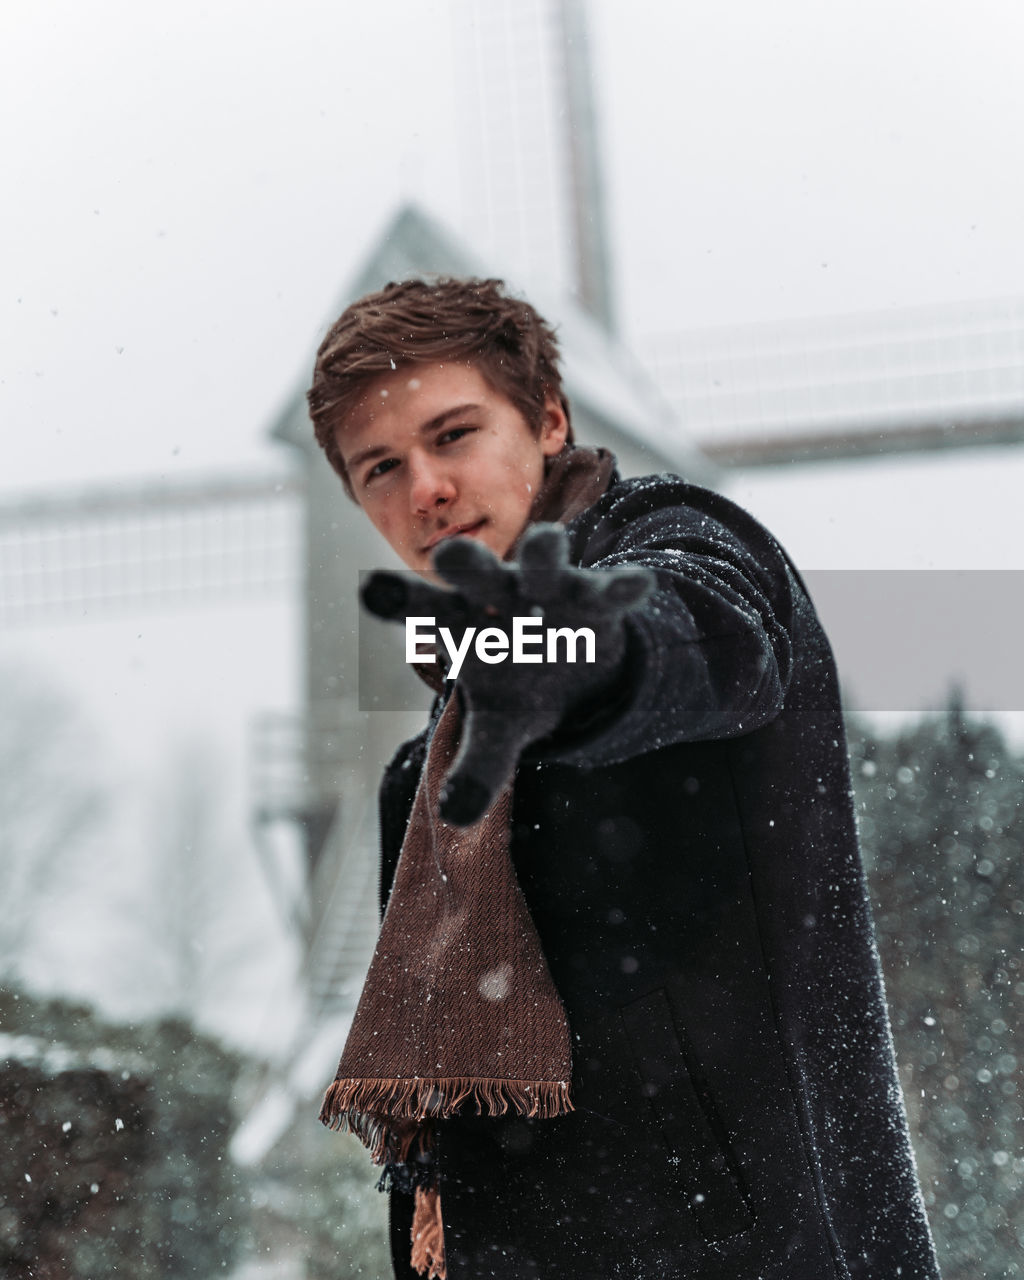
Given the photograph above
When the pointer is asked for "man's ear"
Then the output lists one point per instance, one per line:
(554, 427)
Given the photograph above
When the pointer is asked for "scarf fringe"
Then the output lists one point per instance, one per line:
(428, 1236)
(369, 1108)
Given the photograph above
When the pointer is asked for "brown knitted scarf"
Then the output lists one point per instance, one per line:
(458, 1009)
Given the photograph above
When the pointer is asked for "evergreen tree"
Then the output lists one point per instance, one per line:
(941, 816)
(115, 1143)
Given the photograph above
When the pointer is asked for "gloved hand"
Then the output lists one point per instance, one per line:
(507, 705)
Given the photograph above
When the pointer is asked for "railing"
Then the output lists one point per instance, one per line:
(925, 377)
(73, 554)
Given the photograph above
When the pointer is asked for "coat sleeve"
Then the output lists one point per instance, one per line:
(709, 654)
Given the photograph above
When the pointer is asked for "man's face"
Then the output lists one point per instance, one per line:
(433, 451)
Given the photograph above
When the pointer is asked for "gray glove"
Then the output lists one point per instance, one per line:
(508, 705)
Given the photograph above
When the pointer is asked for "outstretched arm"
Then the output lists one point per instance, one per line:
(711, 651)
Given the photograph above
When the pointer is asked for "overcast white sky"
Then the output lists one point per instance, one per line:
(189, 188)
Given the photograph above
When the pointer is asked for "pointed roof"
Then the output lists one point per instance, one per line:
(608, 390)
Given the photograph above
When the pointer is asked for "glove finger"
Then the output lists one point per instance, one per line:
(626, 588)
(543, 559)
(397, 596)
(473, 569)
(544, 546)
(606, 592)
(491, 746)
(388, 595)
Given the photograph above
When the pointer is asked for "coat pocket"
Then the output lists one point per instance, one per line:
(704, 1165)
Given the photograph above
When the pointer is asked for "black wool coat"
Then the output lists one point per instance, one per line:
(690, 859)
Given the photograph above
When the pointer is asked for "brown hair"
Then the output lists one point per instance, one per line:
(421, 322)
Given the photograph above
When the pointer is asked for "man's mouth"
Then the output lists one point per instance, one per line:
(468, 530)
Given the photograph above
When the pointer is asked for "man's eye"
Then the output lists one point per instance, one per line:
(453, 434)
(379, 468)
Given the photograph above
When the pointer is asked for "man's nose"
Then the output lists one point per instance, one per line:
(431, 486)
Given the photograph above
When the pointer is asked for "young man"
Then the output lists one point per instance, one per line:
(625, 1016)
